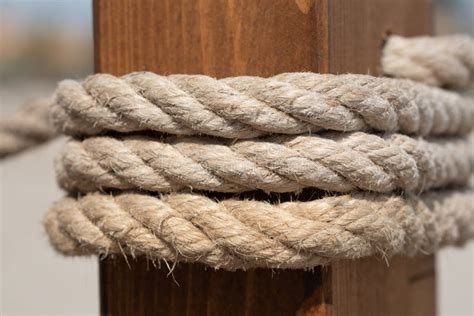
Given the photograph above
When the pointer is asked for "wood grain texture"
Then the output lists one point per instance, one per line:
(374, 287)
(226, 38)
(214, 37)
(139, 288)
(357, 30)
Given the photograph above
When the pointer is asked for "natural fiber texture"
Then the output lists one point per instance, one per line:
(247, 107)
(439, 61)
(356, 149)
(26, 128)
(235, 234)
(329, 161)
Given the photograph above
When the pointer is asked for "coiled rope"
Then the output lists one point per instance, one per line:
(329, 161)
(353, 134)
(248, 107)
(242, 234)
(439, 61)
(27, 128)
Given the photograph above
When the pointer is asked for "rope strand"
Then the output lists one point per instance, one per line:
(331, 161)
(248, 107)
(27, 128)
(233, 234)
(439, 61)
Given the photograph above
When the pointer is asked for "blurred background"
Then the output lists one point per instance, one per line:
(43, 41)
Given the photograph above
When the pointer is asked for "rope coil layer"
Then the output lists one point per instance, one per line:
(236, 234)
(353, 134)
(248, 107)
(330, 161)
(439, 61)
(27, 128)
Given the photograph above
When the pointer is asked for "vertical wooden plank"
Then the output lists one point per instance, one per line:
(215, 37)
(358, 27)
(401, 286)
(373, 287)
(136, 288)
(218, 38)
(226, 38)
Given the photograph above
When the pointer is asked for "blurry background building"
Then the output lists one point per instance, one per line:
(42, 41)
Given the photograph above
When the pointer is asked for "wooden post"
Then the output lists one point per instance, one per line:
(247, 37)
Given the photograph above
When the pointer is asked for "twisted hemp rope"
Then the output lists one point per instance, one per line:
(248, 107)
(367, 143)
(330, 161)
(27, 128)
(236, 234)
(439, 61)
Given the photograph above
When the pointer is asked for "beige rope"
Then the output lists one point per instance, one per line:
(27, 128)
(362, 152)
(439, 61)
(292, 103)
(247, 107)
(329, 161)
(234, 234)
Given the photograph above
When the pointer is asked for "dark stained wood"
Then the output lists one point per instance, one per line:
(215, 37)
(139, 288)
(358, 28)
(265, 37)
(371, 287)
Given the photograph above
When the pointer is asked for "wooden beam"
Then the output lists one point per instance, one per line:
(142, 289)
(371, 287)
(226, 38)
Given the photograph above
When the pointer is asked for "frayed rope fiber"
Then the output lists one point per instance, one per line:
(242, 234)
(330, 161)
(392, 157)
(249, 107)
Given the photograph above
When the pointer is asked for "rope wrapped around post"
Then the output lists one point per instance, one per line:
(242, 234)
(389, 161)
(249, 107)
(330, 161)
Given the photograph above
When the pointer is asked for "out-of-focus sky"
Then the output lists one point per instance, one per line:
(45, 38)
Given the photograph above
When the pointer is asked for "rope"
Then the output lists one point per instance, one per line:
(27, 128)
(248, 107)
(330, 161)
(234, 234)
(368, 144)
(439, 61)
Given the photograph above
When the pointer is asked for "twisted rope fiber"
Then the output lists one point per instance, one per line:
(331, 161)
(236, 234)
(291, 103)
(248, 107)
(243, 112)
(27, 128)
(439, 61)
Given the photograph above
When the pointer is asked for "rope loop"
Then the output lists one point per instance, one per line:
(157, 165)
